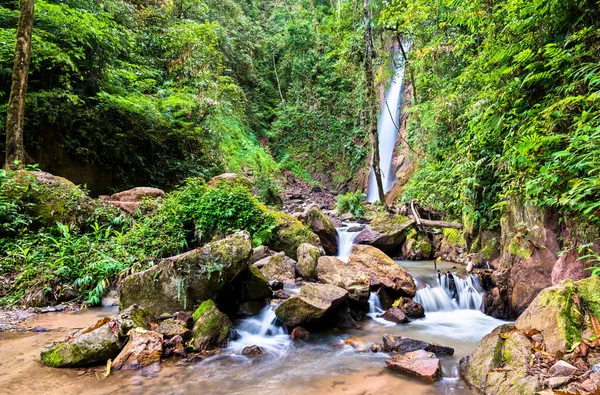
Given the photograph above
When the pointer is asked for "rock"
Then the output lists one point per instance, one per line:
(255, 285)
(355, 228)
(232, 179)
(253, 351)
(376, 347)
(310, 304)
(331, 270)
(346, 217)
(356, 343)
(417, 246)
(387, 233)
(289, 233)
(412, 309)
(212, 328)
(188, 279)
(596, 368)
(562, 368)
(394, 314)
(405, 344)
(382, 271)
(39, 329)
(308, 256)
(137, 194)
(186, 317)
(95, 344)
(251, 307)
(323, 228)
(259, 253)
(299, 333)
(276, 285)
(173, 327)
(281, 294)
(278, 268)
(173, 346)
(538, 338)
(143, 349)
(555, 382)
(342, 318)
(421, 364)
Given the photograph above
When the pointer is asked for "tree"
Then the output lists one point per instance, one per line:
(15, 153)
(372, 99)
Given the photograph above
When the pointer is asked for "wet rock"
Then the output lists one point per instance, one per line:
(421, 364)
(555, 382)
(394, 314)
(400, 344)
(143, 349)
(299, 333)
(134, 317)
(386, 234)
(417, 246)
(323, 228)
(289, 233)
(382, 271)
(186, 317)
(173, 347)
(188, 279)
(95, 344)
(308, 255)
(278, 268)
(376, 347)
(310, 304)
(253, 351)
(281, 294)
(412, 309)
(259, 253)
(212, 328)
(173, 327)
(562, 368)
(251, 307)
(276, 285)
(356, 343)
(355, 228)
(255, 285)
(39, 329)
(342, 318)
(331, 270)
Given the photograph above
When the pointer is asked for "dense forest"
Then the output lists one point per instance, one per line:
(232, 176)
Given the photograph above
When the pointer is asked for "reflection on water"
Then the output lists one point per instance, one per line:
(321, 365)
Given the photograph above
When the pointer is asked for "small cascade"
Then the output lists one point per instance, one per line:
(262, 331)
(376, 310)
(449, 292)
(345, 242)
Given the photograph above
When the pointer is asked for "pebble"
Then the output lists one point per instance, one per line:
(39, 329)
(596, 368)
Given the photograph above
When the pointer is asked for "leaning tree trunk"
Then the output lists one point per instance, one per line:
(372, 100)
(15, 117)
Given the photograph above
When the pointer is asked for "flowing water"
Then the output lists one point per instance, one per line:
(345, 241)
(322, 365)
(387, 130)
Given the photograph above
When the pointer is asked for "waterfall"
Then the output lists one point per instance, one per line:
(263, 331)
(376, 310)
(450, 292)
(387, 130)
(345, 242)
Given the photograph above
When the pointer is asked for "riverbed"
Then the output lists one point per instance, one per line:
(322, 365)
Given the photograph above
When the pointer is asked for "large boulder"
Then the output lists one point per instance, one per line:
(331, 270)
(143, 349)
(308, 255)
(421, 364)
(212, 329)
(386, 232)
(186, 280)
(322, 227)
(310, 304)
(417, 246)
(278, 268)
(255, 285)
(289, 233)
(382, 271)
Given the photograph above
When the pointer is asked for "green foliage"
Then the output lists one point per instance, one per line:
(351, 202)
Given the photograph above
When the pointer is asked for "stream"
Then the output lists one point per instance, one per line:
(322, 364)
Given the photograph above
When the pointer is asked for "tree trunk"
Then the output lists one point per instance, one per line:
(372, 100)
(15, 117)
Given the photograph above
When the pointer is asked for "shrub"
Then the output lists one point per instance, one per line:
(351, 202)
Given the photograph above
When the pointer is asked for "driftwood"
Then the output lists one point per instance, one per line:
(430, 223)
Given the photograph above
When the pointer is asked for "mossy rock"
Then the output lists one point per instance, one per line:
(308, 255)
(183, 281)
(255, 285)
(310, 304)
(417, 246)
(212, 328)
(289, 233)
(279, 267)
(323, 228)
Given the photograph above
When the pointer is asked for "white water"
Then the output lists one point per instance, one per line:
(345, 242)
(376, 310)
(441, 295)
(387, 130)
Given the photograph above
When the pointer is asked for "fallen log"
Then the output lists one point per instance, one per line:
(441, 224)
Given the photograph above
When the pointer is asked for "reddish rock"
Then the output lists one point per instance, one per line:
(421, 364)
(299, 333)
(355, 343)
(394, 314)
(174, 347)
(412, 309)
(253, 351)
(143, 348)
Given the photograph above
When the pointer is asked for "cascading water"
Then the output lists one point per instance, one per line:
(387, 130)
(449, 292)
(263, 332)
(345, 242)
(376, 310)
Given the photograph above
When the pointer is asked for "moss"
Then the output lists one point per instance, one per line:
(589, 291)
(453, 236)
(203, 308)
(515, 248)
(569, 317)
(289, 234)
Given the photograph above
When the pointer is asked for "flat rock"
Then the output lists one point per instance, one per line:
(278, 268)
(400, 344)
(310, 304)
(331, 270)
(421, 364)
(562, 368)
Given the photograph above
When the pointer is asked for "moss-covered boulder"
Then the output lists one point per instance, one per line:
(212, 329)
(331, 270)
(308, 255)
(311, 304)
(173, 327)
(382, 271)
(183, 281)
(386, 232)
(417, 246)
(88, 348)
(322, 227)
(278, 268)
(255, 285)
(289, 233)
